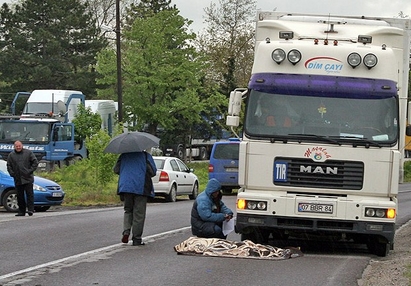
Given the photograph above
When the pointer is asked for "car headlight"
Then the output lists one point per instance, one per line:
(38, 188)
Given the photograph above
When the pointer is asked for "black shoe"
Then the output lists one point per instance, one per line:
(138, 242)
(20, 214)
(30, 213)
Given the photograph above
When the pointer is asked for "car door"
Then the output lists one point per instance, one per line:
(185, 177)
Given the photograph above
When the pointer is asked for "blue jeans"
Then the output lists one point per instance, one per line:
(134, 214)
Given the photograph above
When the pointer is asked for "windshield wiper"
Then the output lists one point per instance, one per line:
(366, 142)
(315, 136)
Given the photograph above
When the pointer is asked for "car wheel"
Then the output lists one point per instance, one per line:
(41, 208)
(194, 193)
(172, 196)
(10, 201)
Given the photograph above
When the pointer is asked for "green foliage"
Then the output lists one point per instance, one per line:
(99, 162)
(46, 44)
(407, 171)
(86, 122)
(201, 170)
(161, 79)
(90, 181)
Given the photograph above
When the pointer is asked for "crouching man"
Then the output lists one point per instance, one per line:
(209, 212)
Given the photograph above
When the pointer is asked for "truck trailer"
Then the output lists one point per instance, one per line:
(323, 131)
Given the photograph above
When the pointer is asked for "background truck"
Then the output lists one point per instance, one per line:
(324, 125)
(42, 120)
(45, 127)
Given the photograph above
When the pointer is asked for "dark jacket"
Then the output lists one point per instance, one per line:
(206, 212)
(132, 173)
(21, 166)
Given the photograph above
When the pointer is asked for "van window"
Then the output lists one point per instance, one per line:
(227, 151)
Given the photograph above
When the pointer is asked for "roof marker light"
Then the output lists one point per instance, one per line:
(286, 35)
(364, 39)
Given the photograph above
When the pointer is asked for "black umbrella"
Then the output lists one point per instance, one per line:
(132, 142)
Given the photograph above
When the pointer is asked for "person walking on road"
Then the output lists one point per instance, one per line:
(209, 212)
(21, 164)
(135, 186)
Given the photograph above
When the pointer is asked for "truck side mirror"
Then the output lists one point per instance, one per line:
(234, 108)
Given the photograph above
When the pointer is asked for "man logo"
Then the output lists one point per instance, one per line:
(319, 170)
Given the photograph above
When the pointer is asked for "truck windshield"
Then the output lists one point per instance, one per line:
(24, 131)
(40, 108)
(307, 117)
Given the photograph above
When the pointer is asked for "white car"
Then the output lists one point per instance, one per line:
(173, 179)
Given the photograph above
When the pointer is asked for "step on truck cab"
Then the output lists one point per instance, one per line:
(323, 131)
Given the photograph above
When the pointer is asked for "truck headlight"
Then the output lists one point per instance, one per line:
(380, 212)
(251, 205)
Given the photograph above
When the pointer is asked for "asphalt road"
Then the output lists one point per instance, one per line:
(82, 247)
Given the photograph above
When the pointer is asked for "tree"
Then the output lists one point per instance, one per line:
(160, 73)
(46, 44)
(227, 43)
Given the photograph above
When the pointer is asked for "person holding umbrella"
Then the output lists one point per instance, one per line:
(135, 167)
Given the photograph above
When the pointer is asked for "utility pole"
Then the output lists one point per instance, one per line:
(119, 81)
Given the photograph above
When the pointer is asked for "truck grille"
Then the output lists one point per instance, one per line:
(302, 172)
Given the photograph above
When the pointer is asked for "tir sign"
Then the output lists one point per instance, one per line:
(280, 171)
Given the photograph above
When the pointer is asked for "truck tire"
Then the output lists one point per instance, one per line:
(180, 153)
(378, 248)
(203, 154)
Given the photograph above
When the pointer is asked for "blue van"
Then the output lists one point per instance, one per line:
(223, 164)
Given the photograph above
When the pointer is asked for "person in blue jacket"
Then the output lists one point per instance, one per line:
(209, 212)
(135, 185)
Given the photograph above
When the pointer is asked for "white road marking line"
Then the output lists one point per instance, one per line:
(85, 254)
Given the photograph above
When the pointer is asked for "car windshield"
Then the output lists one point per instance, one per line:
(303, 117)
(3, 167)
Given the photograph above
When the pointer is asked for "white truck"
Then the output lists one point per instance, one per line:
(323, 132)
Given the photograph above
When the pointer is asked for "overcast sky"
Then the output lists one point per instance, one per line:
(194, 9)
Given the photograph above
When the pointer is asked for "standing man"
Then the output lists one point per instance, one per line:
(135, 185)
(21, 164)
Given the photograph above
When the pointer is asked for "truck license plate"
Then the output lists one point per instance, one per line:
(315, 208)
